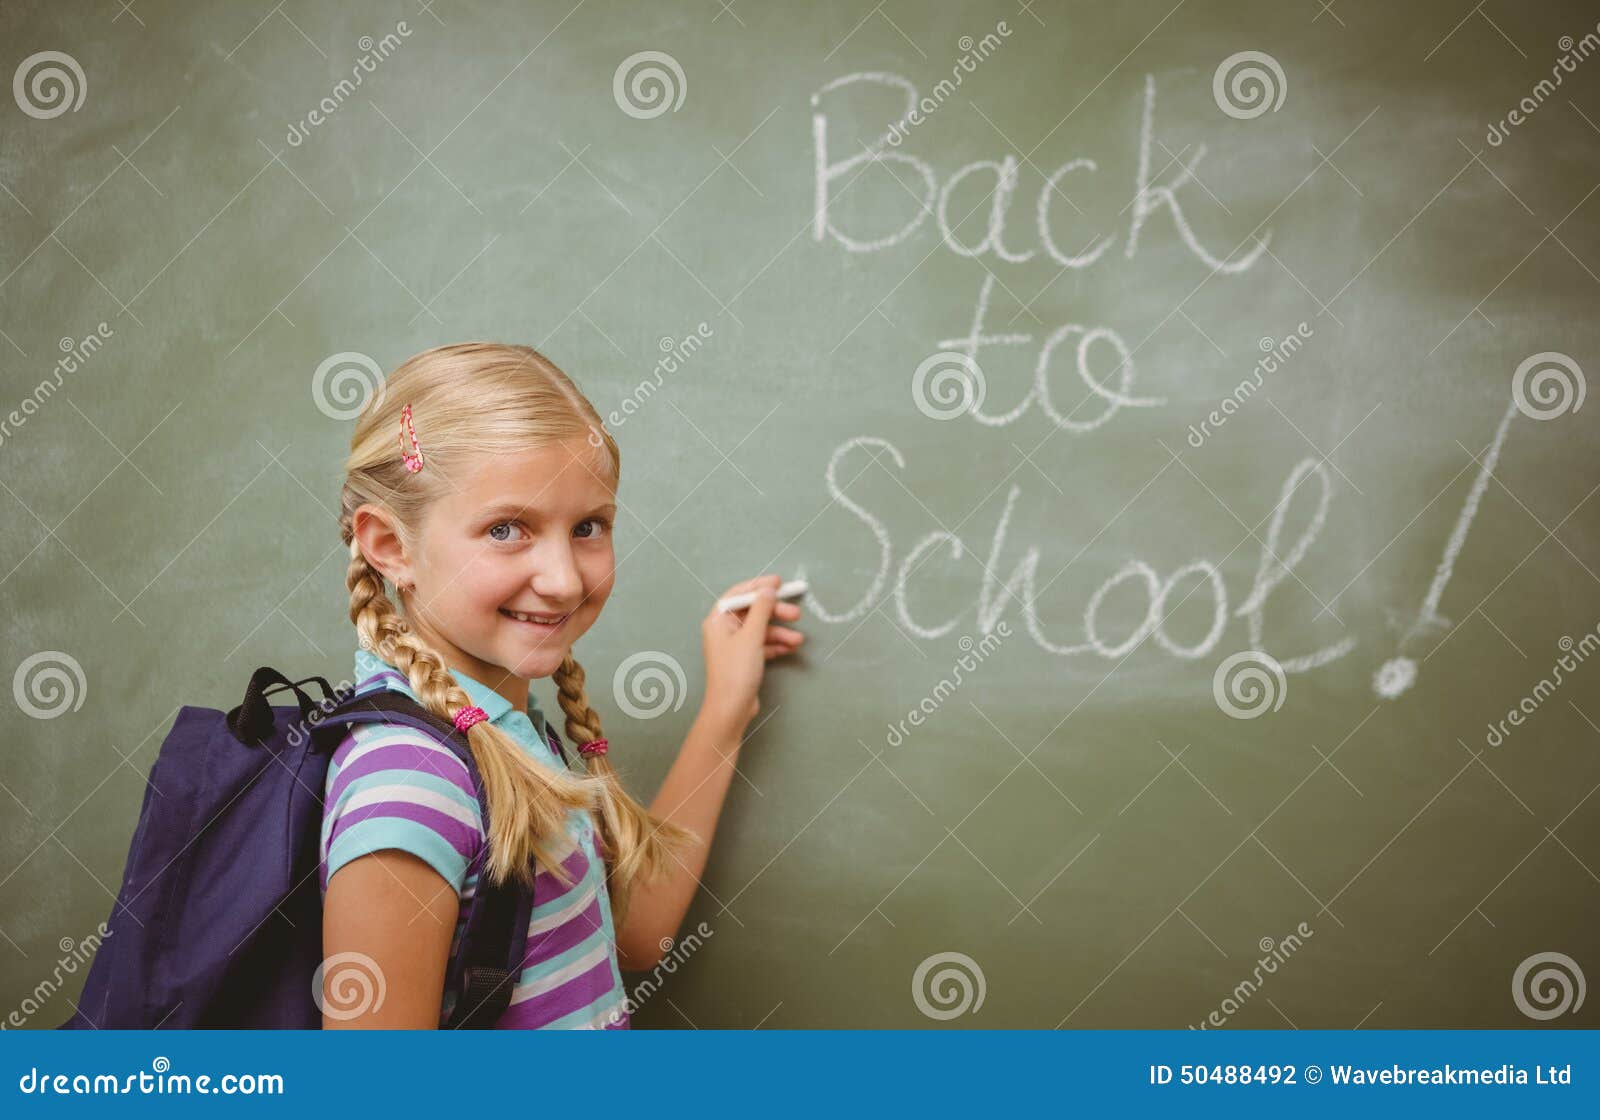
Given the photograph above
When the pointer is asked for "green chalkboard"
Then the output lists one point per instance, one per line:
(1177, 410)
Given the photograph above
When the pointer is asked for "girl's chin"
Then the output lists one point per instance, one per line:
(539, 663)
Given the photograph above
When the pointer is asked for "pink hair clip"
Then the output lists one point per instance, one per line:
(466, 717)
(593, 746)
(413, 458)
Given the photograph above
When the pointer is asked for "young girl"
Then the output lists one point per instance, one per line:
(481, 485)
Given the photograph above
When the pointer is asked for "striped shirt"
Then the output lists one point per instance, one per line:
(389, 786)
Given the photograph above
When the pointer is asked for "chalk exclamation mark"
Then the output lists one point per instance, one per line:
(1544, 387)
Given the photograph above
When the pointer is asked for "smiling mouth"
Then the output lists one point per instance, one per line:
(546, 623)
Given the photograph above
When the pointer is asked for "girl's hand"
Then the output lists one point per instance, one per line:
(738, 644)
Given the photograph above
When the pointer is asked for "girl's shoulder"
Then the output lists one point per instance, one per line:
(397, 753)
(392, 786)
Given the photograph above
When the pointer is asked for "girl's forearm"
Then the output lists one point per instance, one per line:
(691, 797)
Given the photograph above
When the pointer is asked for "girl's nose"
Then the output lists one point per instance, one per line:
(556, 578)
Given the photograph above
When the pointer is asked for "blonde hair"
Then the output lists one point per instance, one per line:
(472, 400)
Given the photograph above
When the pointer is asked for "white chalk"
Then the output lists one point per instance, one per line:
(790, 590)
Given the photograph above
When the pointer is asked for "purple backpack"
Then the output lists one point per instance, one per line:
(219, 919)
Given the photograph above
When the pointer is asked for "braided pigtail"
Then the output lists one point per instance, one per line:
(637, 844)
(528, 802)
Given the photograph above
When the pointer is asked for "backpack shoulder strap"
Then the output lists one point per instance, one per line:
(555, 743)
(490, 958)
(383, 705)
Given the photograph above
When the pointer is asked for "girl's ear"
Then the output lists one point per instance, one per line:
(379, 538)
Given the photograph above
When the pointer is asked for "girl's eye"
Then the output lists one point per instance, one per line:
(501, 531)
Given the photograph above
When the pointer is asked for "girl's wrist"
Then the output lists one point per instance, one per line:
(727, 721)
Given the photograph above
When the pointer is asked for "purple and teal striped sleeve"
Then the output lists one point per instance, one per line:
(388, 787)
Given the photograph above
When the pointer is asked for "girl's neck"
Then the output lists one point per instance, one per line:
(496, 678)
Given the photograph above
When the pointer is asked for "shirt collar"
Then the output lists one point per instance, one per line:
(495, 706)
